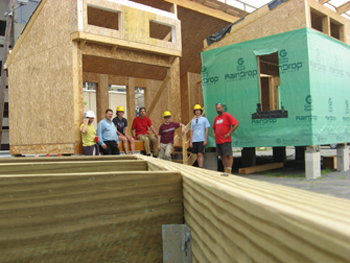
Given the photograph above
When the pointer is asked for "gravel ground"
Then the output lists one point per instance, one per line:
(331, 182)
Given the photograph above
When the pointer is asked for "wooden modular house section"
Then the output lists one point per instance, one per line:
(291, 15)
(78, 43)
(69, 42)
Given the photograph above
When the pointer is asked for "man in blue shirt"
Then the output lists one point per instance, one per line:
(107, 134)
(199, 134)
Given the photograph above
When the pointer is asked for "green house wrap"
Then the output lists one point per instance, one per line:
(309, 104)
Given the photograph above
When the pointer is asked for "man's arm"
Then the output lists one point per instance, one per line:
(206, 136)
(154, 131)
(233, 128)
(191, 145)
(84, 128)
(183, 128)
(99, 134)
(125, 131)
(213, 132)
(159, 142)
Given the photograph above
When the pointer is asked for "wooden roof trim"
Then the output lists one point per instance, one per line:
(204, 9)
(24, 33)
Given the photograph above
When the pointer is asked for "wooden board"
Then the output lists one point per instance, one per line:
(101, 158)
(259, 168)
(98, 217)
(72, 167)
(234, 219)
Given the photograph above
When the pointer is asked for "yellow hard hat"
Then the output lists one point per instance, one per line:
(166, 114)
(197, 107)
(120, 108)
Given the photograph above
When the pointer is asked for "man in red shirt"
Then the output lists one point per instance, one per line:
(224, 125)
(140, 126)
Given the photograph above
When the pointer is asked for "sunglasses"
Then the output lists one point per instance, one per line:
(167, 117)
(219, 103)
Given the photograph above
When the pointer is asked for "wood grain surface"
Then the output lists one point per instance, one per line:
(234, 219)
(88, 217)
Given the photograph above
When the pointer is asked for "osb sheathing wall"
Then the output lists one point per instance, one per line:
(291, 15)
(41, 82)
(135, 24)
(263, 22)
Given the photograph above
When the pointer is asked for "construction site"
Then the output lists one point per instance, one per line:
(282, 69)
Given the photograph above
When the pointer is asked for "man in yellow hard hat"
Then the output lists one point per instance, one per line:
(199, 134)
(166, 136)
(121, 124)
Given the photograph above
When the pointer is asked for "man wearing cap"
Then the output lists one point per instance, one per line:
(199, 134)
(107, 134)
(166, 136)
(121, 124)
(224, 125)
(140, 130)
(88, 135)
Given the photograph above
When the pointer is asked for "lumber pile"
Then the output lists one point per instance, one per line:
(234, 219)
(113, 215)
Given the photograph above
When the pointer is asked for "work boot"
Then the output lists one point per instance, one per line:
(225, 172)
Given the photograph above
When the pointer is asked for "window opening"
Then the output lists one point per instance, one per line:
(139, 99)
(103, 18)
(117, 97)
(270, 105)
(89, 98)
(161, 31)
(317, 20)
(335, 29)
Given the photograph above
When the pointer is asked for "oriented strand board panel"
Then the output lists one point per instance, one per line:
(135, 20)
(98, 217)
(40, 87)
(234, 219)
(125, 55)
(290, 15)
(51, 28)
(195, 91)
(156, 115)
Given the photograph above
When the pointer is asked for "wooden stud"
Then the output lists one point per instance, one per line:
(113, 49)
(259, 168)
(206, 10)
(326, 25)
(82, 43)
(343, 8)
(159, 93)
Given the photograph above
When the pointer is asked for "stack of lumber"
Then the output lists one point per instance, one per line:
(77, 209)
(235, 219)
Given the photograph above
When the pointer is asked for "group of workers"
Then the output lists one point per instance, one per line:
(110, 132)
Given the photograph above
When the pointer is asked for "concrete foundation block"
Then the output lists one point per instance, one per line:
(312, 165)
(211, 161)
(248, 157)
(342, 157)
